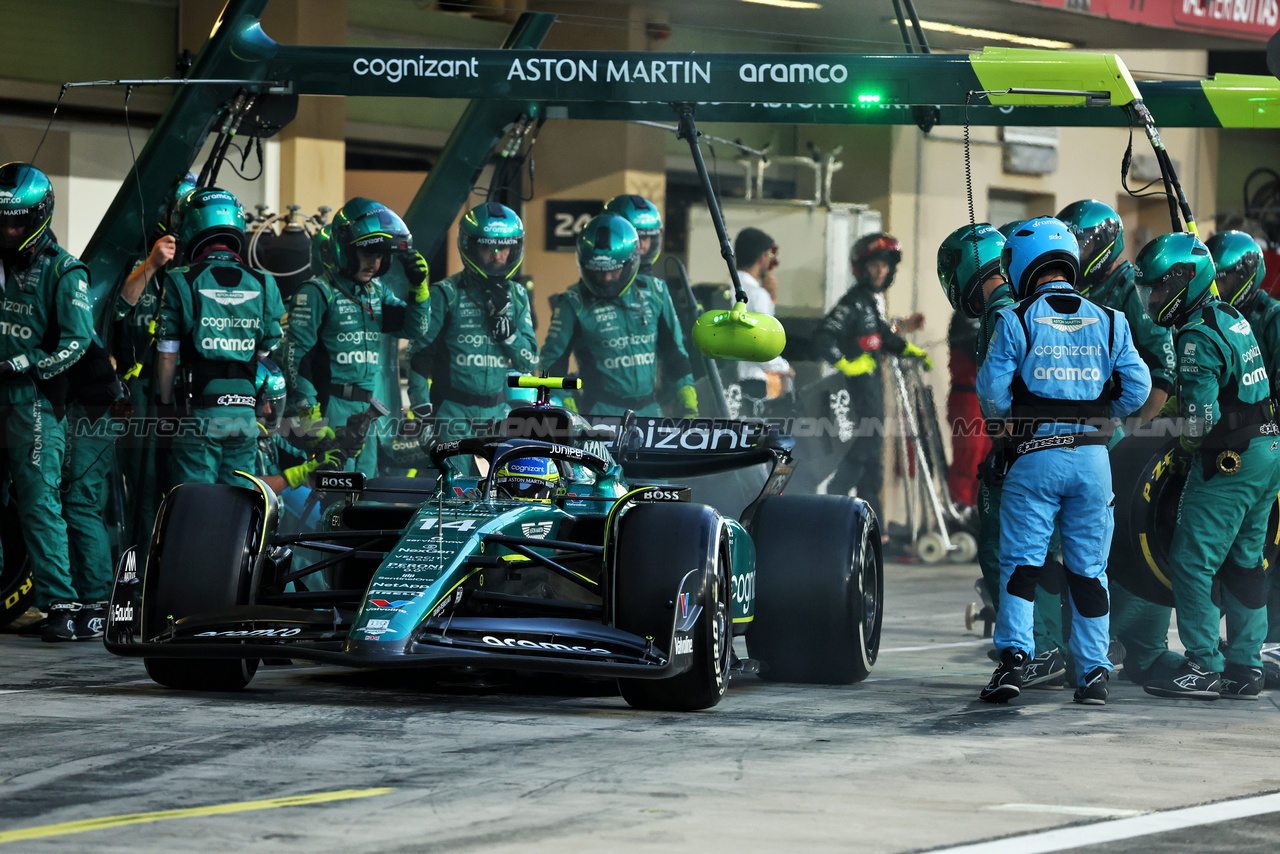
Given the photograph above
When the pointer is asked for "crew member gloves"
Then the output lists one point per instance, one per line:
(502, 329)
(415, 273)
(11, 368)
(916, 353)
(688, 397)
(864, 364)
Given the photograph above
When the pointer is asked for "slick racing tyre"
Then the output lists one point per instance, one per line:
(17, 587)
(819, 589)
(206, 543)
(657, 545)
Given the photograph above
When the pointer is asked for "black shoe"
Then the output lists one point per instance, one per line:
(90, 619)
(1094, 690)
(29, 624)
(1046, 670)
(1006, 681)
(1241, 682)
(1271, 664)
(60, 625)
(1189, 682)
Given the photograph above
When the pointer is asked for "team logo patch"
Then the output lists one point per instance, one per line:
(1190, 349)
(538, 530)
(1066, 324)
(226, 297)
(1240, 327)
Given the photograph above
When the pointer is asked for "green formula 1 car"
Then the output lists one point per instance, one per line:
(619, 574)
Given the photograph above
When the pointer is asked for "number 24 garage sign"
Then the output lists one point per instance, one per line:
(1254, 20)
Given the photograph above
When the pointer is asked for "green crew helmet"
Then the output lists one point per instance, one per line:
(644, 217)
(270, 392)
(608, 255)
(209, 215)
(1238, 260)
(1100, 233)
(26, 206)
(322, 251)
(968, 257)
(491, 242)
(1174, 274)
(363, 224)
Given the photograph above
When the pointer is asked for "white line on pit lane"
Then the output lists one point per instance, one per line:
(1080, 836)
(1091, 812)
(936, 646)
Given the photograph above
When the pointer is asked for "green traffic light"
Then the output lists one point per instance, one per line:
(868, 99)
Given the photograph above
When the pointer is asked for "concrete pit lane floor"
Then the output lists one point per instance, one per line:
(321, 759)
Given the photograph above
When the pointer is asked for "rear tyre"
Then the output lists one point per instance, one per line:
(205, 544)
(17, 587)
(819, 589)
(658, 544)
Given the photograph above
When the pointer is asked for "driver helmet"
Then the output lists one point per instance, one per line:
(486, 230)
(968, 257)
(1100, 233)
(608, 255)
(528, 479)
(369, 225)
(26, 206)
(208, 215)
(1174, 274)
(1039, 246)
(871, 247)
(270, 390)
(1240, 266)
(645, 219)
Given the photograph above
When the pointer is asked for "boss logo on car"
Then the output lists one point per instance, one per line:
(349, 481)
(520, 643)
(252, 633)
(682, 494)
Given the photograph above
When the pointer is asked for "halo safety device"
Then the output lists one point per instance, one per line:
(26, 206)
(363, 224)
(1099, 232)
(209, 215)
(1240, 267)
(608, 255)
(528, 479)
(645, 219)
(968, 257)
(483, 234)
(1174, 274)
(1037, 247)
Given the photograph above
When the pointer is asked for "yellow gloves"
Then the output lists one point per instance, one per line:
(688, 398)
(415, 273)
(864, 364)
(309, 417)
(916, 353)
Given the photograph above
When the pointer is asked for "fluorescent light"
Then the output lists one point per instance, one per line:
(970, 32)
(786, 4)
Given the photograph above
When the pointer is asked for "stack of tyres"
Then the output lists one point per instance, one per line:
(1146, 510)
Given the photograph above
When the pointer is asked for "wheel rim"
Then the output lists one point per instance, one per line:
(868, 597)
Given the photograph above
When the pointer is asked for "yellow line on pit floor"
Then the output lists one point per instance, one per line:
(83, 825)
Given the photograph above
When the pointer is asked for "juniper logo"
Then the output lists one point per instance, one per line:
(1066, 324)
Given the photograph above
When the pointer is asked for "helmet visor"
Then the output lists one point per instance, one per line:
(1164, 296)
(18, 227)
(1238, 284)
(605, 277)
(494, 257)
(524, 488)
(650, 245)
(1093, 245)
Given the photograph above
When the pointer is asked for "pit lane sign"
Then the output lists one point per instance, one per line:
(565, 220)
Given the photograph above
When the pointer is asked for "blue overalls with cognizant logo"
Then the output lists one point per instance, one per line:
(1059, 367)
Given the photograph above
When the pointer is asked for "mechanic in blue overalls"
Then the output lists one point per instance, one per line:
(1058, 369)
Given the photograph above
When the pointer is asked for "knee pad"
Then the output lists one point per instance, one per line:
(1246, 583)
(1088, 595)
(1051, 577)
(1022, 582)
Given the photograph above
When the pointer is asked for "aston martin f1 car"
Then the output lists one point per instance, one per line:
(619, 575)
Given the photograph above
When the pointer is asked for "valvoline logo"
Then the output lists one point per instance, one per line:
(384, 603)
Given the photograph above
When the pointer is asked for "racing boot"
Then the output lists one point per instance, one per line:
(1048, 670)
(1189, 682)
(1241, 682)
(60, 625)
(90, 619)
(1006, 681)
(30, 623)
(1094, 690)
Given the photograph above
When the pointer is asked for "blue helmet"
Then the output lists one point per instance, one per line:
(1039, 246)
(270, 390)
(528, 479)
